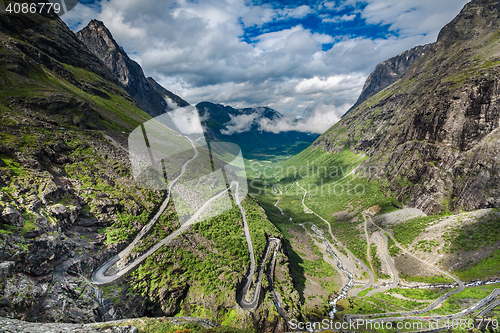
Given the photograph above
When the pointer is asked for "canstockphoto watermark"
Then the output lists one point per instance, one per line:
(329, 324)
(50, 8)
(170, 152)
(405, 326)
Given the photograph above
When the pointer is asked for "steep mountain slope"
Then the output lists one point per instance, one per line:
(63, 171)
(68, 200)
(432, 137)
(254, 142)
(148, 94)
(389, 71)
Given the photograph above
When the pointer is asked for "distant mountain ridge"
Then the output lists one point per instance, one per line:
(147, 93)
(217, 118)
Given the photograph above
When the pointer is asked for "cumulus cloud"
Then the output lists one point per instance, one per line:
(187, 120)
(197, 49)
(322, 117)
(407, 16)
(240, 123)
(343, 18)
(298, 12)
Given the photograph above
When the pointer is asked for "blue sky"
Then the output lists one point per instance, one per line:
(302, 58)
(332, 21)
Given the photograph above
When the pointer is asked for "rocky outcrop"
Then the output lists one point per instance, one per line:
(389, 71)
(432, 137)
(18, 326)
(148, 94)
(53, 45)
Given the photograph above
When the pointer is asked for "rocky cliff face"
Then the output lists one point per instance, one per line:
(433, 136)
(389, 71)
(148, 94)
(63, 173)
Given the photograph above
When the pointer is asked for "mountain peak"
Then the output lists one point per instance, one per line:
(477, 18)
(93, 24)
(148, 94)
(389, 71)
(102, 37)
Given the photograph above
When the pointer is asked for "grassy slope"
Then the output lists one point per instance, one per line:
(25, 133)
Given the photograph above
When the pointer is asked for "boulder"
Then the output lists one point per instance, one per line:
(11, 216)
(35, 203)
(52, 193)
(59, 211)
(6, 269)
(74, 212)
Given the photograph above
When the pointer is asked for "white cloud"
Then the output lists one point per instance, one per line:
(323, 38)
(322, 117)
(343, 18)
(268, 40)
(409, 17)
(298, 12)
(317, 85)
(123, 30)
(187, 120)
(257, 16)
(171, 104)
(239, 124)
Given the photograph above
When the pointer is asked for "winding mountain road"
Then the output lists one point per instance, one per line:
(243, 302)
(488, 303)
(359, 262)
(340, 266)
(395, 274)
(100, 276)
(368, 243)
(488, 309)
(276, 301)
(405, 314)
(471, 309)
(460, 283)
